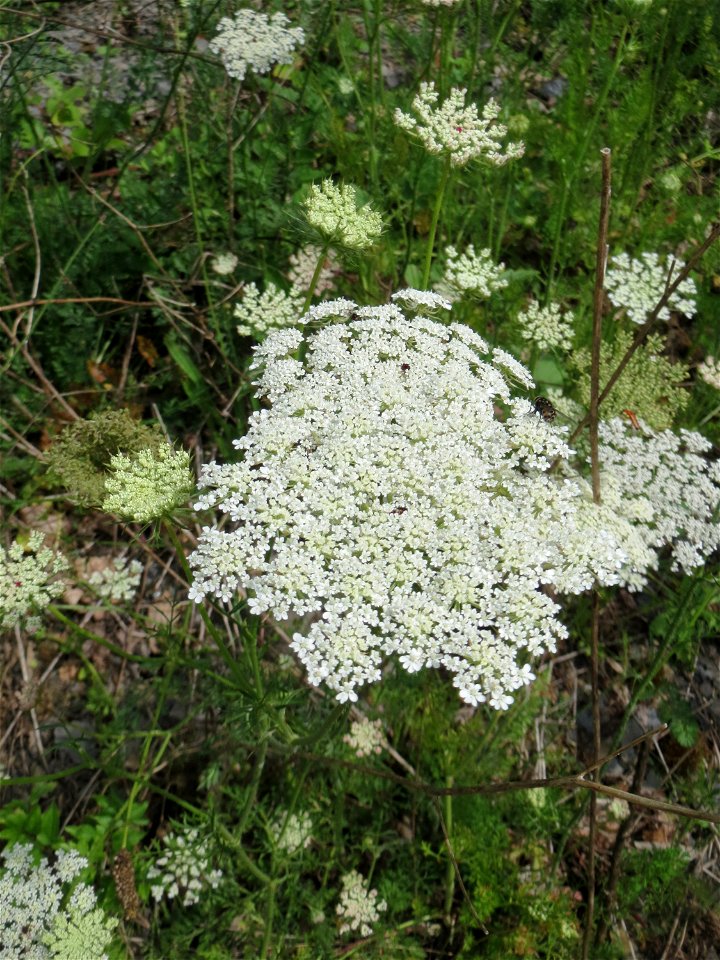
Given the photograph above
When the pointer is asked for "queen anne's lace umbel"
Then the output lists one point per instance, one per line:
(382, 495)
(457, 130)
(638, 285)
(255, 41)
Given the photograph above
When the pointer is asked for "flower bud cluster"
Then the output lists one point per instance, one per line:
(456, 130)
(149, 484)
(709, 371)
(335, 213)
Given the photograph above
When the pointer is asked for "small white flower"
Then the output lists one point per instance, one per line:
(334, 212)
(339, 309)
(302, 270)
(457, 130)
(359, 907)
(709, 371)
(471, 273)
(184, 867)
(255, 41)
(28, 580)
(366, 737)
(224, 263)
(638, 285)
(260, 312)
(292, 832)
(547, 326)
(421, 301)
(118, 582)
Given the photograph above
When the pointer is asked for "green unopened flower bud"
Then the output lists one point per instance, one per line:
(148, 485)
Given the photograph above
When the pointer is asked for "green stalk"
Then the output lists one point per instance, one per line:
(315, 276)
(450, 869)
(434, 223)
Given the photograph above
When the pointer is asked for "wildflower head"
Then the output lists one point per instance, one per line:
(255, 41)
(260, 312)
(709, 371)
(366, 737)
(117, 582)
(302, 270)
(382, 498)
(292, 832)
(638, 285)
(359, 907)
(224, 264)
(547, 326)
(45, 913)
(456, 130)
(28, 581)
(470, 274)
(184, 869)
(148, 485)
(334, 212)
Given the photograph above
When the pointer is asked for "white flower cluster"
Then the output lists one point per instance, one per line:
(457, 130)
(359, 907)
(547, 326)
(366, 737)
(441, 3)
(334, 212)
(45, 914)
(638, 285)
(292, 832)
(709, 371)
(255, 41)
(224, 264)
(302, 270)
(381, 494)
(148, 485)
(184, 868)
(471, 273)
(118, 582)
(260, 312)
(666, 489)
(27, 581)
(421, 301)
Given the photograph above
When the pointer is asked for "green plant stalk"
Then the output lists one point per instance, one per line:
(315, 276)
(439, 197)
(141, 780)
(450, 868)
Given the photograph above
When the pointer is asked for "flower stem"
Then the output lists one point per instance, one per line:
(440, 196)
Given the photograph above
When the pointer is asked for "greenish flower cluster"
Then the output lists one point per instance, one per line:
(148, 485)
(44, 914)
(80, 456)
(649, 385)
(119, 582)
(28, 581)
(334, 212)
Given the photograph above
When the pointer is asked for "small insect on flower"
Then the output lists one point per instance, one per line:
(404, 367)
(544, 408)
(632, 417)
